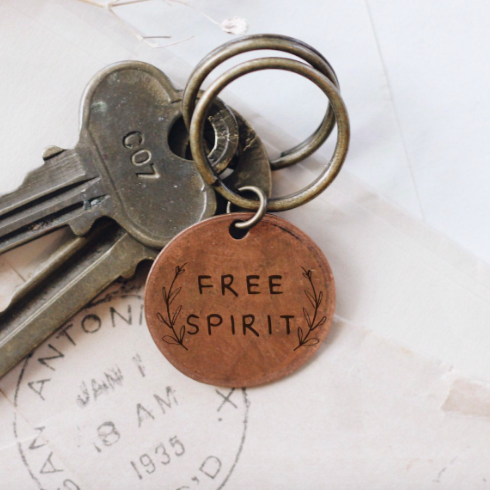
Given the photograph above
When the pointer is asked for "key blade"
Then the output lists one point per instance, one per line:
(50, 197)
(108, 253)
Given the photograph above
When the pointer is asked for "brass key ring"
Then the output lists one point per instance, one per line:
(318, 185)
(260, 42)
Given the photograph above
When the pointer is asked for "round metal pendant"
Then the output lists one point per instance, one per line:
(244, 311)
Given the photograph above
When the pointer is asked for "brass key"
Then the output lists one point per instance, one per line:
(126, 169)
(122, 166)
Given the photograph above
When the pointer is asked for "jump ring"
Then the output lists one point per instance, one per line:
(262, 209)
(308, 193)
(260, 42)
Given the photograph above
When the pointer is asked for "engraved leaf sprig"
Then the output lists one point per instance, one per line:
(170, 319)
(305, 339)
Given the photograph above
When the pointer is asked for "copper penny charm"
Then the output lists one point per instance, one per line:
(239, 311)
(244, 299)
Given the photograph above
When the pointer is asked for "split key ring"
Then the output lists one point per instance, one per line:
(260, 42)
(318, 185)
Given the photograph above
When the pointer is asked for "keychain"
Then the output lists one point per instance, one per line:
(244, 299)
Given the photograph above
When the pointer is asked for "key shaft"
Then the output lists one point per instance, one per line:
(90, 264)
(51, 196)
(122, 166)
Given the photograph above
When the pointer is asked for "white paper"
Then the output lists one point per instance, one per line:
(397, 397)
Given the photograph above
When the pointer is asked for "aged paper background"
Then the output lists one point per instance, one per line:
(398, 396)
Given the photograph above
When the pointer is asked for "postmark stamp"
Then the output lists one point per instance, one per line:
(110, 412)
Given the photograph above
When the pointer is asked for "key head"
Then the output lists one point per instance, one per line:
(127, 114)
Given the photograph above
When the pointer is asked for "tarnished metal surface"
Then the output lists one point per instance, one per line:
(122, 166)
(252, 312)
(125, 167)
(304, 195)
(136, 179)
(249, 165)
(260, 42)
(54, 295)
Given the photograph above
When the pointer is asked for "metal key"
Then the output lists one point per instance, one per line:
(90, 263)
(53, 296)
(122, 166)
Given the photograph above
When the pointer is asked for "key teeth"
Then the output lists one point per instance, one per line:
(52, 151)
(80, 229)
(129, 273)
(94, 208)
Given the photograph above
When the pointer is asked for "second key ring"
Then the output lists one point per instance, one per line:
(293, 200)
(259, 42)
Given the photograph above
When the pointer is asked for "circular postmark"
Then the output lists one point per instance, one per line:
(240, 310)
(99, 407)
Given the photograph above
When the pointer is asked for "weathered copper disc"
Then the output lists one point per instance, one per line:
(239, 312)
